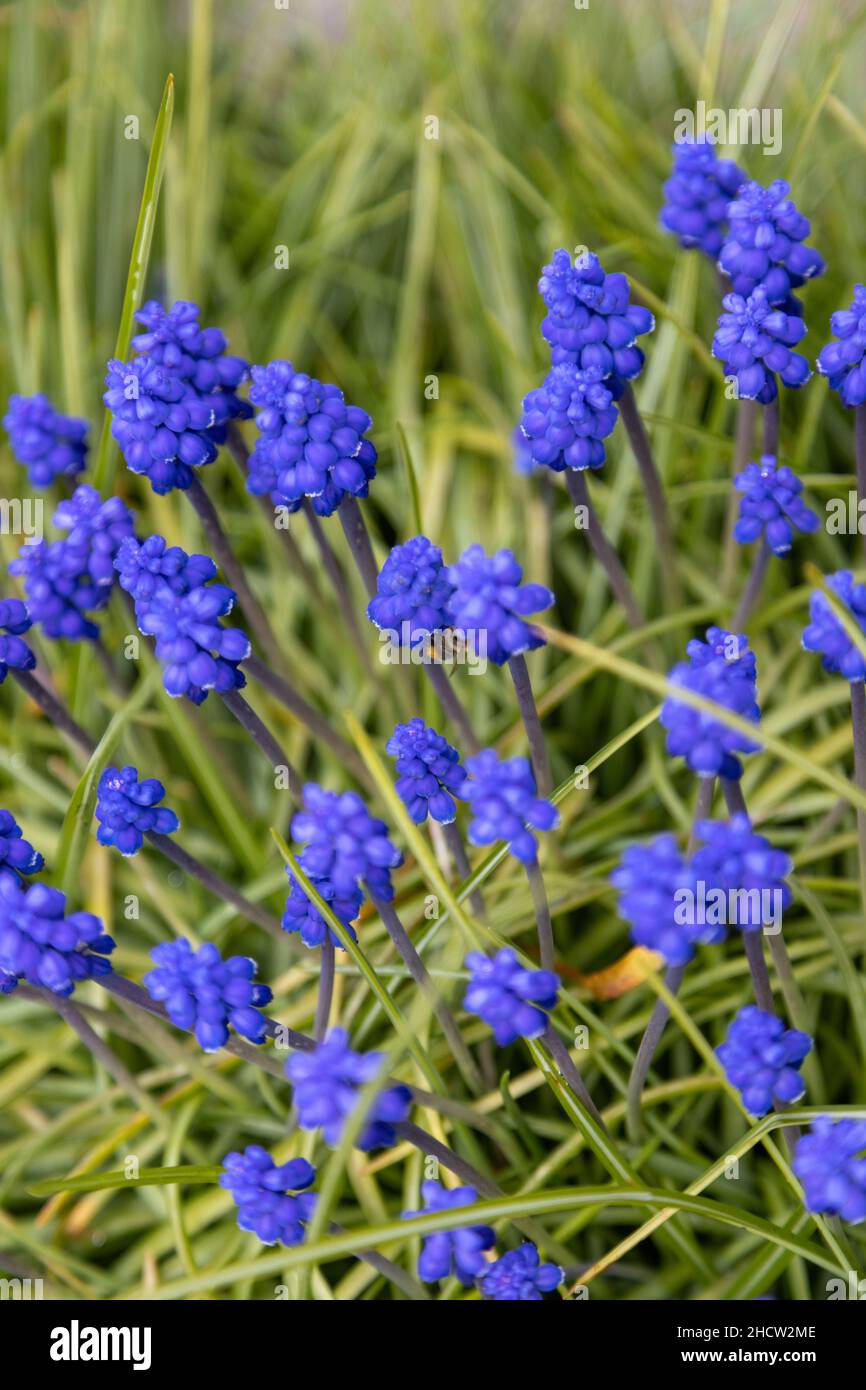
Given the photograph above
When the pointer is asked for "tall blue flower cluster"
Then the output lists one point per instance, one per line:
(489, 599)
(264, 1194)
(41, 944)
(826, 635)
(753, 341)
(327, 1082)
(346, 844)
(723, 670)
(68, 579)
(50, 445)
(844, 362)
(430, 773)
(302, 916)
(505, 804)
(514, 1001)
(656, 886)
(740, 862)
(566, 420)
(459, 1252)
(519, 1277)
(764, 246)
(590, 322)
(830, 1162)
(145, 568)
(204, 994)
(127, 809)
(413, 588)
(15, 655)
(772, 505)
(762, 1058)
(16, 853)
(697, 195)
(311, 443)
(174, 339)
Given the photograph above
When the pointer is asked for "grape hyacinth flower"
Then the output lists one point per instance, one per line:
(346, 844)
(771, 506)
(175, 340)
(514, 1001)
(16, 853)
(762, 1059)
(723, 670)
(15, 655)
(844, 363)
(764, 246)
(656, 886)
(126, 809)
(430, 772)
(412, 592)
(566, 420)
(311, 443)
(68, 579)
(327, 1082)
(41, 944)
(457, 1252)
(50, 445)
(753, 341)
(697, 196)
(161, 425)
(489, 598)
(590, 322)
(197, 653)
(505, 804)
(264, 1194)
(830, 1163)
(519, 1277)
(742, 864)
(826, 635)
(145, 568)
(204, 994)
(301, 915)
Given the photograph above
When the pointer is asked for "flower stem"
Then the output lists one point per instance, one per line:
(655, 493)
(753, 941)
(543, 921)
(531, 723)
(771, 428)
(742, 450)
(214, 884)
(456, 849)
(575, 1082)
(450, 702)
(334, 571)
(305, 713)
(753, 587)
(232, 568)
(604, 551)
(264, 739)
(326, 989)
(54, 710)
(358, 537)
(860, 456)
(858, 726)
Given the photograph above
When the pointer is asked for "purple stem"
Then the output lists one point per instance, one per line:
(305, 713)
(326, 989)
(450, 702)
(753, 587)
(575, 480)
(264, 740)
(358, 537)
(655, 493)
(543, 921)
(531, 723)
(858, 727)
(860, 456)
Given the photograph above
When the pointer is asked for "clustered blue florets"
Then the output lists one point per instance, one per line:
(764, 246)
(412, 588)
(327, 1082)
(459, 1252)
(753, 341)
(519, 1277)
(301, 915)
(762, 1058)
(653, 881)
(566, 420)
(15, 655)
(50, 445)
(430, 773)
(590, 322)
(41, 944)
(513, 1000)
(145, 568)
(771, 505)
(126, 809)
(844, 363)
(505, 804)
(311, 443)
(830, 1163)
(204, 994)
(734, 858)
(16, 852)
(161, 425)
(175, 339)
(263, 1192)
(489, 600)
(346, 844)
(65, 580)
(697, 196)
(723, 670)
(825, 633)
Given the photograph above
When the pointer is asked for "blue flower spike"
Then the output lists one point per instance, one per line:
(722, 670)
(16, 853)
(412, 592)
(765, 247)
(302, 916)
(345, 844)
(49, 445)
(697, 195)
(204, 994)
(519, 1277)
(326, 1089)
(505, 804)
(762, 1059)
(591, 323)
(127, 809)
(826, 635)
(489, 600)
(457, 1252)
(830, 1161)
(514, 1001)
(771, 506)
(430, 774)
(754, 341)
(40, 943)
(843, 363)
(15, 620)
(271, 1198)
